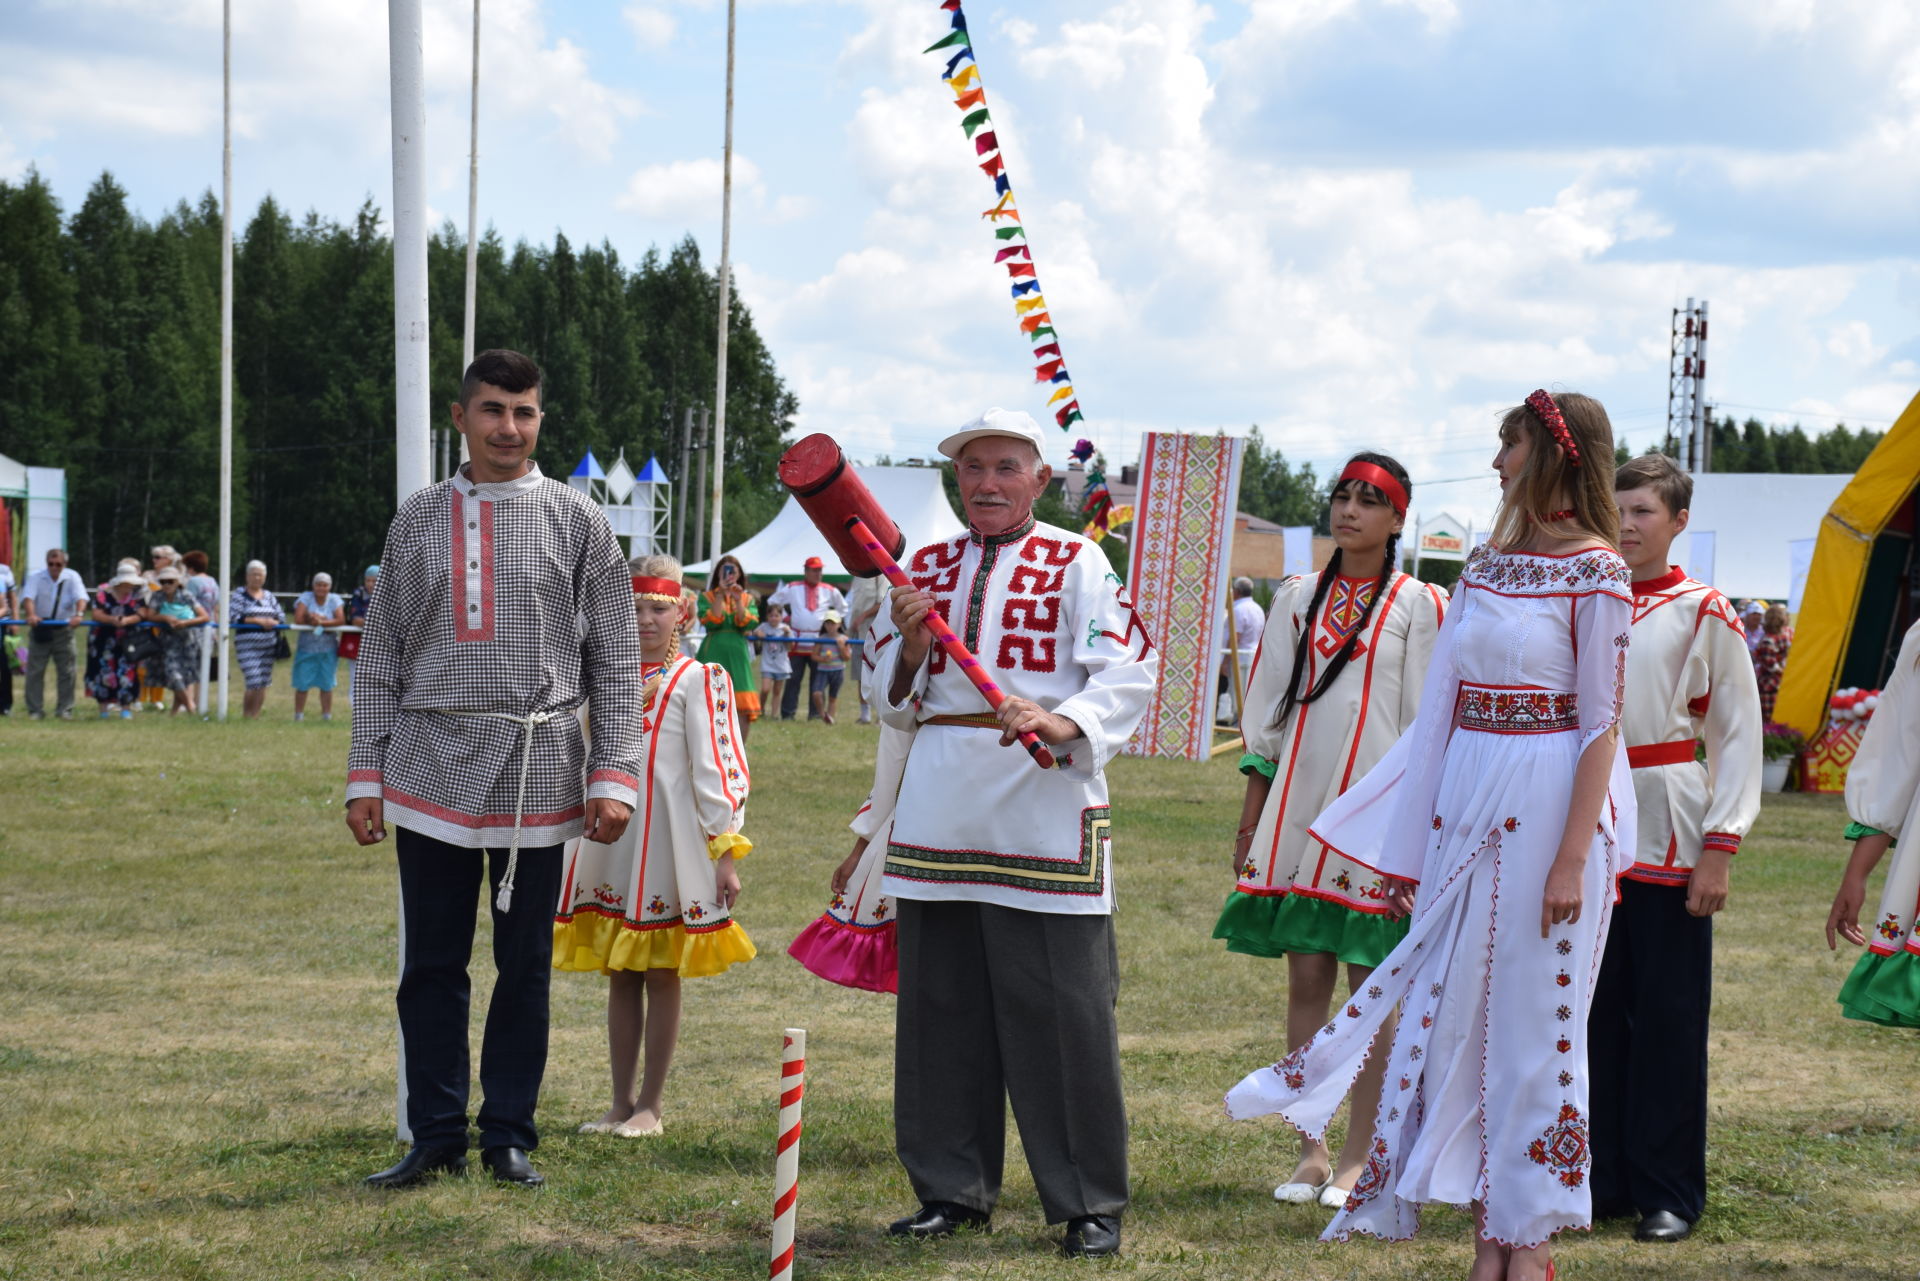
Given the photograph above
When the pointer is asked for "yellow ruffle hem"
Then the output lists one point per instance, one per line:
(590, 942)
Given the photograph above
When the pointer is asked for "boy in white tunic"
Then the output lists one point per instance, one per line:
(999, 869)
(1688, 678)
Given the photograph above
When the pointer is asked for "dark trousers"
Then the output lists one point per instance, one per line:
(6, 669)
(1647, 1055)
(790, 696)
(439, 891)
(995, 1004)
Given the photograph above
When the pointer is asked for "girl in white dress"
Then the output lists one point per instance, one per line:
(656, 906)
(1335, 682)
(1883, 802)
(1501, 818)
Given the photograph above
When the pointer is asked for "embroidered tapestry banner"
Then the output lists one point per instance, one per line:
(1178, 575)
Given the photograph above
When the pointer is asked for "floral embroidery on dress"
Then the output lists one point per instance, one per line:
(1566, 1079)
(1249, 870)
(1563, 1045)
(879, 911)
(1373, 993)
(1889, 928)
(1564, 1013)
(1564, 947)
(1596, 570)
(1437, 824)
(1342, 880)
(1292, 1069)
(1512, 824)
(1372, 1180)
(695, 912)
(657, 905)
(1562, 1147)
(608, 895)
(1497, 710)
(1563, 978)
(837, 902)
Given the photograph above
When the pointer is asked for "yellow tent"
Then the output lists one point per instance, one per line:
(1853, 610)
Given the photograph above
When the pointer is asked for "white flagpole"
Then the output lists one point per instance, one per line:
(221, 629)
(412, 461)
(714, 545)
(473, 208)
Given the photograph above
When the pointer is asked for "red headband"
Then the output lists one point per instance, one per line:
(1380, 478)
(664, 588)
(1542, 404)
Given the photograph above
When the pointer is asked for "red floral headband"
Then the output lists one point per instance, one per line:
(1380, 478)
(1542, 404)
(656, 588)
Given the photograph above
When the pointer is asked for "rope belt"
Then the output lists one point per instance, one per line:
(978, 720)
(1647, 755)
(504, 899)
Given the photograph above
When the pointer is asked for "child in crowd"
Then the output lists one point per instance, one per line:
(1688, 678)
(1336, 679)
(776, 662)
(656, 906)
(1883, 802)
(830, 655)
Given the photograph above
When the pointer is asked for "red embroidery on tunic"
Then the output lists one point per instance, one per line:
(1496, 710)
(1346, 603)
(1562, 1147)
(1030, 619)
(935, 568)
(470, 532)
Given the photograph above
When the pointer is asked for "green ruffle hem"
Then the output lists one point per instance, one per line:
(1273, 925)
(1884, 990)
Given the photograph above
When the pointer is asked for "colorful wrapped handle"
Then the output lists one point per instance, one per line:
(937, 625)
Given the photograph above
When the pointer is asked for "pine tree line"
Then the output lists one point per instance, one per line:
(111, 330)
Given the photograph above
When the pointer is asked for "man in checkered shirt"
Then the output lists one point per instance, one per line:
(504, 605)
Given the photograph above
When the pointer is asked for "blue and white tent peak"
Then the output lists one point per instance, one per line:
(589, 469)
(652, 474)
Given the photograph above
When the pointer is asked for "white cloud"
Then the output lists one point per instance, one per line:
(1853, 343)
(653, 27)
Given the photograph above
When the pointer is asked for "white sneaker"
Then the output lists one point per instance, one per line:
(299, 716)
(326, 716)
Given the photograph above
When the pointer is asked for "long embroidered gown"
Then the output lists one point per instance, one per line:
(1486, 1083)
(1883, 795)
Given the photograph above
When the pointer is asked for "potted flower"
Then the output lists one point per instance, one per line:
(1779, 745)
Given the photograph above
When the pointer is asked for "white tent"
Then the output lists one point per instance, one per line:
(1754, 519)
(43, 493)
(910, 495)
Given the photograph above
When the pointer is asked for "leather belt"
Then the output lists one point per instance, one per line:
(978, 720)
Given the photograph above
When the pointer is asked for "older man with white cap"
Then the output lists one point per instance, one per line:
(1000, 871)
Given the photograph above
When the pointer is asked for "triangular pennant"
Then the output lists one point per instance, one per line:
(974, 121)
(1004, 209)
(959, 19)
(1013, 251)
(985, 142)
(971, 98)
(1068, 412)
(1051, 349)
(1034, 321)
(1008, 233)
(954, 61)
(947, 41)
(1046, 371)
(1061, 377)
(1002, 185)
(994, 166)
(1019, 269)
(949, 4)
(1065, 393)
(966, 77)
(1044, 329)
(1025, 287)
(1026, 305)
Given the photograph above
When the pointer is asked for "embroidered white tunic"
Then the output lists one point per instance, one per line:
(1327, 745)
(502, 608)
(1485, 1093)
(648, 900)
(1689, 676)
(1883, 793)
(1041, 610)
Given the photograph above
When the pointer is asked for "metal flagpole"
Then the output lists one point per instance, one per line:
(473, 215)
(412, 410)
(714, 547)
(222, 628)
(412, 465)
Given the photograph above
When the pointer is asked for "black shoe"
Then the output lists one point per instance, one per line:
(1092, 1236)
(420, 1164)
(938, 1219)
(510, 1165)
(1662, 1225)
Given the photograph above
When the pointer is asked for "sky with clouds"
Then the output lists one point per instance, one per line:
(1357, 223)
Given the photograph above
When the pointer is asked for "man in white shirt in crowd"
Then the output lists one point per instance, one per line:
(1249, 620)
(805, 600)
(49, 601)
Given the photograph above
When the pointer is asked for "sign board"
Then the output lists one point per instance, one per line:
(1441, 538)
(1700, 549)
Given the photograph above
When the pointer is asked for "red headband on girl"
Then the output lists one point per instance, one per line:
(1542, 404)
(1381, 479)
(658, 588)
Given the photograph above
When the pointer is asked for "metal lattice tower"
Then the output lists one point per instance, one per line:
(1689, 436)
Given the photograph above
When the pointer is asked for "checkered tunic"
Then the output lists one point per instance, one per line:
(510, 599)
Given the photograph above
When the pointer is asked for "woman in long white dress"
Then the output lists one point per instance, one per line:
(1504, 814)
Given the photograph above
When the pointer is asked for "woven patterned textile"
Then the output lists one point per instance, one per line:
(1183, 536)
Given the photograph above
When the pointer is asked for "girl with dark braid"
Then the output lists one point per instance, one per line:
(1337, 678)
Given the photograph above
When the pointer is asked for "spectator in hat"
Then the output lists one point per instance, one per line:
(830, 654)
(174, 610)
(113, 676)
(316, 657)
(805, 600)
(153, 689)
(1750, 618)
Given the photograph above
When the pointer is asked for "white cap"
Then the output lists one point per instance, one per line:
(997, 422)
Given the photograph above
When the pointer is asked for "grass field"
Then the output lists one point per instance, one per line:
(197, 1052)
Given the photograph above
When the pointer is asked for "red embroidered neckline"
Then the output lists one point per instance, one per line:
(1672, 578)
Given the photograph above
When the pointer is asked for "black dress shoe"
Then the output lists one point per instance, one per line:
(510, 1165)
(1093, 1236)
(1662, 1225)
(938, 1219)
(420, 1164)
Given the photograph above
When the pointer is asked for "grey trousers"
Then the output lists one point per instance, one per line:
(996, 1004)
(60, 650)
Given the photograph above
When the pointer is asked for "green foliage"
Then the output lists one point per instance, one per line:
(1274, 491)
(1754, 447)
(112, 329)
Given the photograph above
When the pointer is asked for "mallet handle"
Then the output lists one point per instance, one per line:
(956, 649)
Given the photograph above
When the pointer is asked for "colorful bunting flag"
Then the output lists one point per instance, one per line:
(970, 98)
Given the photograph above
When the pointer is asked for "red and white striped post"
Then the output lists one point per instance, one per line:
(786, 1151)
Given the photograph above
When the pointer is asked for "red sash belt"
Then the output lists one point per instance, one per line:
(1647, 755)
